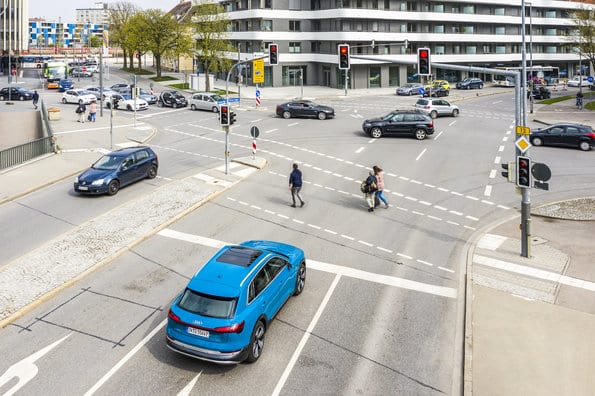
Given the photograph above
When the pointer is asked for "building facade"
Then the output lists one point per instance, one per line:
(384, 36)
(43, 34)
(14, 15)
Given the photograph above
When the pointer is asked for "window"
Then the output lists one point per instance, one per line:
(261, 281)
(551, 49)
(206, 305)
(468, 29)
(141, 155)
(412, 6)
(294, 26)
(267, 25)
(550, 14)
(471, 49)
(411, 27)
(268, 3)
(500, 30)
(469, 9)
(374, 76)
(294, 4)
(550, 32)
(499, 11)
(438, 8)
(295, 47)
(275, 266)
(439, 50)
(439, 29)
(500, 49)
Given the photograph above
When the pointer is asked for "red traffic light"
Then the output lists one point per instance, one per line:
(224, 109)
(343, 49)
(273, 47)
(423, 53)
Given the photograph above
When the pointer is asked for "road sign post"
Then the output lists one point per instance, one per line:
(254, 132)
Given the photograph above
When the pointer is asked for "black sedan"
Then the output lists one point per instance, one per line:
(436, 92)
(540, 93)
(16, 93)
(470, 83)
(304, 108)
(117, 169)
(564, 135)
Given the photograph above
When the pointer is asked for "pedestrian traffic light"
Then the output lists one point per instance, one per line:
(273, 54)
(224, 115)
(232, 118)
(508, 171)
(423, 62)
(344, 57)
(523, 172)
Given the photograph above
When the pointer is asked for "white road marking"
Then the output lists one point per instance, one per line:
(359, 150)
(271, 130)
(534, 272)
(257, 120)
(365, 243)
(491, 241)
(497, 160)
(437, 136)
(501, 148)
(314, 226)
(446, 269)
(420, 154)
(452, 123)
(496, 102)
(293, 124)
(188, 388)
(493, 173)
(487, 191)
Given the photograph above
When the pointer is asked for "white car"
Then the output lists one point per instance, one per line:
(576, 80)
(78, 96)
(107, 92)
(126, 103)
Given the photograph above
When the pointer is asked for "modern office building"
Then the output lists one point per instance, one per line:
(98, 15)
(384, 36)
(14, 15)
(45, 34)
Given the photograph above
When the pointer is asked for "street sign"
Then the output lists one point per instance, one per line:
(254, 132)
(421, 90)
(590, 79)
(541, 172)
(522, 144)
(523, 130)
(258, 71)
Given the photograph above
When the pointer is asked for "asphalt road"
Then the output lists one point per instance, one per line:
(384, 318)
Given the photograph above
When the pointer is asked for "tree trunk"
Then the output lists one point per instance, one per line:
(140, 66)
(158, 65)
(124, 56)
(131, 59)
(207, 81)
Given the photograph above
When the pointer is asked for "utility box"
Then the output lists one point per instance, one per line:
(53, 113)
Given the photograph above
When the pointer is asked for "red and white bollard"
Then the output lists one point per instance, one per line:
(253, 148)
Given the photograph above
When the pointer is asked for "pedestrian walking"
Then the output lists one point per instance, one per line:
(379, 173)
(93, 111)
(35, 99)
(370, 189)
(295, 185)
(81, 110)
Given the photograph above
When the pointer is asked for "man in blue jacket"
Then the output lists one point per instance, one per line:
(295, 185)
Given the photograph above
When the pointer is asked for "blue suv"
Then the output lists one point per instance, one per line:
(224, 311)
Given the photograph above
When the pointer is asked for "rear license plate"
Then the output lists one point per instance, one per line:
(198, 332)
(84, 188)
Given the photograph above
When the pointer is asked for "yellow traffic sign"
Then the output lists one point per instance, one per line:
(523, 130)
(258, 71)
(522, 144)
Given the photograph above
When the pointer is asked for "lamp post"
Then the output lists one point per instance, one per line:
(531, 54)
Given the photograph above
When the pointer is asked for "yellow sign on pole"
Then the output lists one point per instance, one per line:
(522, 130)
(258, 71)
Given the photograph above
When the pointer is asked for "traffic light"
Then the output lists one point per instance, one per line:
(273, 54)
(232, 118)
(523, 172)
(224, 115)
(344, 57)
(508, 171)
(423, 62)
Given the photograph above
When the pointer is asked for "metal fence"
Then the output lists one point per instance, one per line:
(25, 152)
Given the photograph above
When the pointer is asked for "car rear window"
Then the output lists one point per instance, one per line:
(207, 305)
(422, 102)
(239, 255)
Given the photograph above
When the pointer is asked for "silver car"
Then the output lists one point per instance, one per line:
(409, 89)
(206, 101)
(437, 107)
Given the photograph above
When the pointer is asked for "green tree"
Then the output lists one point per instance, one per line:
(584, 35)
(119, 13)
(165, 37)
(94, 41)
(211, 25)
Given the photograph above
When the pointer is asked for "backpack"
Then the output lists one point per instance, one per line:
(364, 187)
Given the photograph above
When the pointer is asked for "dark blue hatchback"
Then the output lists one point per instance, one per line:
(224, 311)
(117, 169)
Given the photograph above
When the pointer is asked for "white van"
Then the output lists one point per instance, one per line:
(206, 101)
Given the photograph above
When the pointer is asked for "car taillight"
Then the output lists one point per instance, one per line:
(236, 328)
(174, 317)
(426, 106)
(431, 124)
(591, 135)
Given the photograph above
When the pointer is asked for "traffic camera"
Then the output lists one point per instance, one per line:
(423, 62)
(273, 54)
(523, 172)
(224, 115)
(344, 57)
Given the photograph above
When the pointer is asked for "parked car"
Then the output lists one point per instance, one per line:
(123, 88)
(93, 67)
(107, 92)
(125, 102)
(16, 93)
(172, 99)
(564, 135)
(223, 313)
(81, 72)
(437, 107)
(78, 96)
(576, 81)
(400, 123)
(65, 84)
(409, 89)
(206, 101)
(117, 169)
(436, 92)
(304, 108)
(470, 83)
(539, 93)
(147, 96)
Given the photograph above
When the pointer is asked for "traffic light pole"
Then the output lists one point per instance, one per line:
(525, 192)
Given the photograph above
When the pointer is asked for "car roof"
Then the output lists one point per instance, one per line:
(124, 152)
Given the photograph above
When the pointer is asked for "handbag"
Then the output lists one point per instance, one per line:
(89, 117)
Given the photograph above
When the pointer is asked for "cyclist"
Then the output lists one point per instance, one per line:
(579, 100)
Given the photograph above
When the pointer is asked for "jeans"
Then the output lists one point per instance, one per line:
(295, 191)
(93, 115)
(381, 197)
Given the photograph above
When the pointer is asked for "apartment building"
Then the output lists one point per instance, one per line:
(482, 33)
(13, 25)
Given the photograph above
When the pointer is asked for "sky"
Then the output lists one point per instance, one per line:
(52, 10)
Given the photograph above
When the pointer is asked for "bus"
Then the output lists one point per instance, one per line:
(547, 75)
(55, 71)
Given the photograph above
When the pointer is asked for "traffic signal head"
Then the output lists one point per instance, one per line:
(423, 62)
(224, 115)
(232, 118)
(508, 171)
(273, 54)
(523, 172)
(344, 57)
